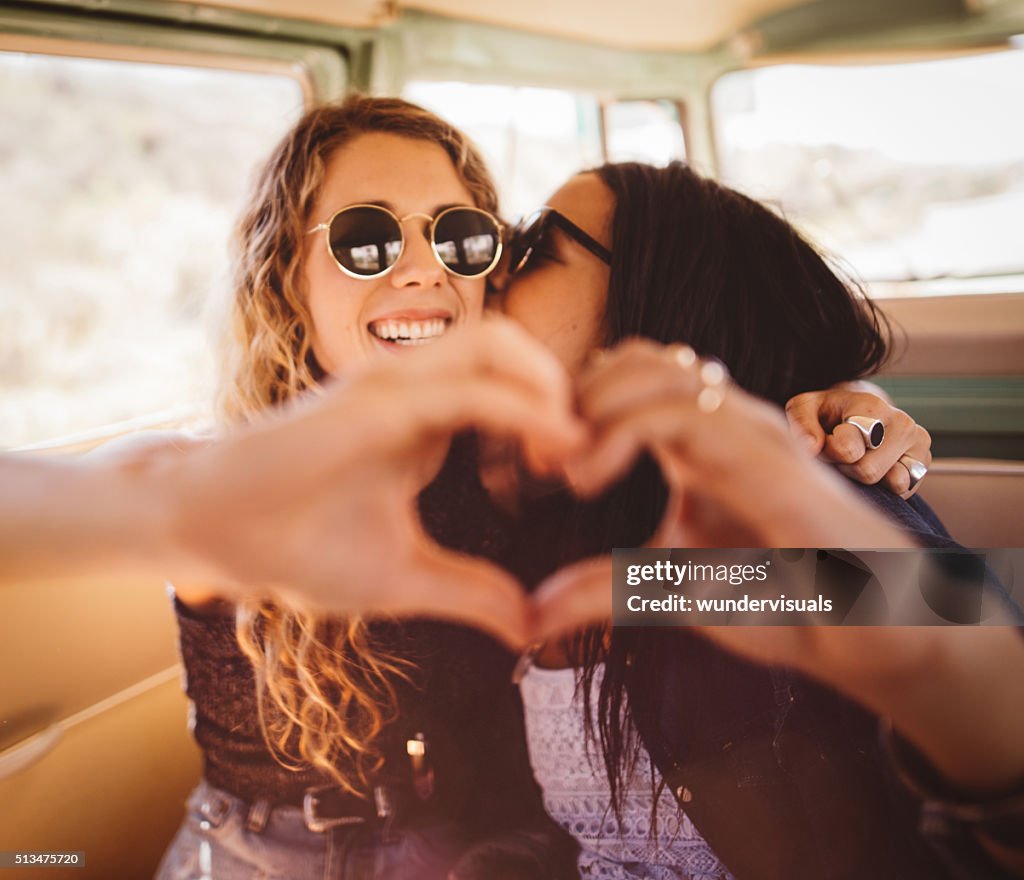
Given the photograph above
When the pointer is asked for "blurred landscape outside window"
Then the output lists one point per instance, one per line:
(533, 140)
(908, 172)
(644, 131)
(121, 183)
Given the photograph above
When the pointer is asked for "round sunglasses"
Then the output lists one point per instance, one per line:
(365, 241)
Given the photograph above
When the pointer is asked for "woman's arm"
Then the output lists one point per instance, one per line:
(739, 479)
(313, 505)
(79, 517)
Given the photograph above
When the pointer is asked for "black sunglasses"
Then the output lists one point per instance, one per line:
(366, 241)
(530, 232)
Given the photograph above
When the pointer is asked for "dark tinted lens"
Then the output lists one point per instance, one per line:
(365, 240)
(466, 241)
(525, 237)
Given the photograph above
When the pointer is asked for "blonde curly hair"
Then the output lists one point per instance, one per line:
(324, 687)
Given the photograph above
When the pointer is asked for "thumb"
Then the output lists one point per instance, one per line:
(578, 595)
(802, 415)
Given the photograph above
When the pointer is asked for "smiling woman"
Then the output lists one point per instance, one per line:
(314, 319)
(322, 708)
(877, 125)
(414, 290)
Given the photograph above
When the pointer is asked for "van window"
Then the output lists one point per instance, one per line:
(644, 131)
(121, 183)
(533, 140)
(911, 172)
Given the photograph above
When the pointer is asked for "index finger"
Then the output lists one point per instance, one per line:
(500, 346)
(578, 595)
(463, 589)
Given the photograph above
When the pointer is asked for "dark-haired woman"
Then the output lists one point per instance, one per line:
(665, 756)
(339, 746)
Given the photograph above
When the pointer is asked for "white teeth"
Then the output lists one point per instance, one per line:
(409, 332)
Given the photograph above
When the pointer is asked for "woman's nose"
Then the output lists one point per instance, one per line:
(418, 265)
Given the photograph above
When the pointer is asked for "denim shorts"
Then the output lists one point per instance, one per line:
(218, 841)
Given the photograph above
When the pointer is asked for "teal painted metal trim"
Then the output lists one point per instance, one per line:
(429, 46)
(880, 25)
(993, 406)
(800, 25)
(214, 17)
(324, 67)
(420, 45)
(967, 417)
(432, 47)
(425, 45)
(1009, 447)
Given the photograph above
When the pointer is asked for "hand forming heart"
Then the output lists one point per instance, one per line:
(736, 475)
(337, 530)
(385, 431)
(664, 400)
(641, 397)
(327, 489)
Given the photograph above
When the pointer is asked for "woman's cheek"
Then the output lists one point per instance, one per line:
(476, 299)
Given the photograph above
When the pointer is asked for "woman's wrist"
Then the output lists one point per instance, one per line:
(806, 505)
(134, 526)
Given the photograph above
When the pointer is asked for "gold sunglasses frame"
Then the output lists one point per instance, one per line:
(326, 227)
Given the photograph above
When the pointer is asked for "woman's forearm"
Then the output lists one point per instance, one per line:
(59, 518)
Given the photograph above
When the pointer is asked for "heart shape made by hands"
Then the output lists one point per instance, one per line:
(661, 468)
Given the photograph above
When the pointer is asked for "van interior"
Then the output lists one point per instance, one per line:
(890, 132)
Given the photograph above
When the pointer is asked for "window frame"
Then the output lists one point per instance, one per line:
(944, 375)
(677, 103)
(887, 290)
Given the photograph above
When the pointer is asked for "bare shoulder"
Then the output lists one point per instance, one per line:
(203, 599)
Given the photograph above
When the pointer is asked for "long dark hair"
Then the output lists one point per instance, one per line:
(694, 261)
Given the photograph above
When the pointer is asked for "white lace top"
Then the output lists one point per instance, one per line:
(577, 796)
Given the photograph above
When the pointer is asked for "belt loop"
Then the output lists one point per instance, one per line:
(259, 815)
(214, 809)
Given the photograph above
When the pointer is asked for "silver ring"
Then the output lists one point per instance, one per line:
(917, 471)
(684, 355)
(712, 373)
(872, 430)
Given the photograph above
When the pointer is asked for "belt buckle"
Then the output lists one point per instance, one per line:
(315, 822)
